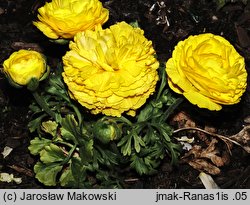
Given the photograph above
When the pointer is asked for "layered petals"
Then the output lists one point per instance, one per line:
(208, 71)
(23, 65)
(111, 71)
(63, 19)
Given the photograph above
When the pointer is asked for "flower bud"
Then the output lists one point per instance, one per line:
(106, 131)
(24, 65)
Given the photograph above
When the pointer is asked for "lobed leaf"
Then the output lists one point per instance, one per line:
(37, 145)
(47, 173)
(52, 153)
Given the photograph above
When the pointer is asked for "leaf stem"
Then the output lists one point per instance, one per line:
(78, 114)
(71, 152)
(124, 119)
(163, 83)
(43, 104)
(63, 143)
(170, 109)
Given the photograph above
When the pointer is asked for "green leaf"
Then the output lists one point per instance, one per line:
(102, 175)
(145, 113)
(166, 131)
(67, 135)
(60, 41)
(57, 88)
(143, 165)
(151, 163)
(46, 74)
(34, 108)
(33, 84)
(50, 127)
(162, 74)
(220, 3)
(174, 150)
(106, 156)
(125, 145)
(138, 142)
(86, 151)
(78, 172)
(38, 144)
(52, 153)
(67, 179)
(69, 125)
(47, 173)
(151, 135)
(167, 97)
(155, 151)
(134, 24)
(170, 110)
(36, 123)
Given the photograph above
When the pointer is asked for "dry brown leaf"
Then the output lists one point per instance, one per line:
(210, 158)
(183, 120)
(247, 120)
(210, 129)
(203, 136)
(203, 165)
(195, 151)
(211, 153)
(243, 138)
(206, 159)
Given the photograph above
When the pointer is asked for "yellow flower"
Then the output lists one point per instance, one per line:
(208, 71)
(111, 71)
(63, 19)
(23, 65)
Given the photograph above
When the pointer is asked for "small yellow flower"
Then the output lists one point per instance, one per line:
(208, 71)
(64, 18)
(23, 65)
(111, 71)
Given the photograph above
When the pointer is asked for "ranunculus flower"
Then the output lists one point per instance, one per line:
(23, 65)
(208, 71)
(111, 71)
(63, 19)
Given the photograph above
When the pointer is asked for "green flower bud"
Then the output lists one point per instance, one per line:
(106, 131)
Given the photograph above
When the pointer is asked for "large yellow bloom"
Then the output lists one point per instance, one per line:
(208, 71)
(111, 71)
(23, 65)
(64, 18)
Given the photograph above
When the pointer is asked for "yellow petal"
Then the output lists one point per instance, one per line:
(201, 101)
(46, 30)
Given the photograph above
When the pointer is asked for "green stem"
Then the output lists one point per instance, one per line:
(64, 143)
(163, 83)
(43, 104)
(71, 152)
(124, 119)
(78, 114)
(170, 109)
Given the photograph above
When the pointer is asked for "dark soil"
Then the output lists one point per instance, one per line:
(165, 23)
